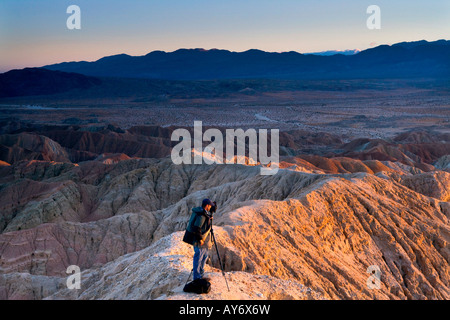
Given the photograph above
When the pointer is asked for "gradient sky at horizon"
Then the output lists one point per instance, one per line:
(33, 33)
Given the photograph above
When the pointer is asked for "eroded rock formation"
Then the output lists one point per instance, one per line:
(316, 226)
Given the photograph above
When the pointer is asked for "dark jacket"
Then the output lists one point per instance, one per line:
(199, 227)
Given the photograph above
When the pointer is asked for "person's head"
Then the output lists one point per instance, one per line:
(207, 204)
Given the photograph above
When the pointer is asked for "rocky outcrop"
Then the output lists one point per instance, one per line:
(433, 184)
(161, 270)
(27, 146)
(443, 163)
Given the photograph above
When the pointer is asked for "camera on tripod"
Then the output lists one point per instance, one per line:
(213, 208)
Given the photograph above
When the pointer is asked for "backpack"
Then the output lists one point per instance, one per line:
(198, 286)
(189, 235)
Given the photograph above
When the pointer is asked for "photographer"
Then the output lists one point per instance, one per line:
(198, 234)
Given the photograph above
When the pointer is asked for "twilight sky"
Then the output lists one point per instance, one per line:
(33, 33)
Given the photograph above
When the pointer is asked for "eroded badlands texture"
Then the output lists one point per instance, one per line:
(309, 232)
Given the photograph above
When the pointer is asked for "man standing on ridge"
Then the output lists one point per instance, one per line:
(198, 234)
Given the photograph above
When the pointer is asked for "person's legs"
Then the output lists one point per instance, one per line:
(196, 263)
(200, 256)
(203, 261)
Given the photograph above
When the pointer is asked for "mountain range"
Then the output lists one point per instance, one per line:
(401, 60)
(205, 73)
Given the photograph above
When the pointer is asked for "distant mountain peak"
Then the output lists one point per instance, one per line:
(333, 52)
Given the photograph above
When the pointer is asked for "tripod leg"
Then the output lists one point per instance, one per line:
(220, 261)
(189, 277)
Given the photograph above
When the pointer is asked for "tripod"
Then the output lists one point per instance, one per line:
(218, 255)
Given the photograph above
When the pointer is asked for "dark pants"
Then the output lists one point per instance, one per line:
(200, 256)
